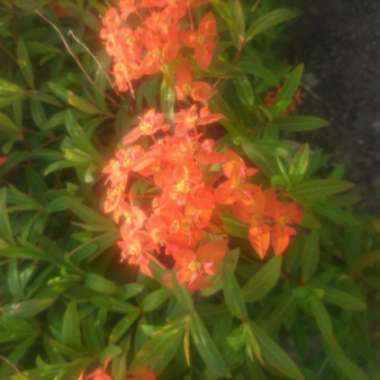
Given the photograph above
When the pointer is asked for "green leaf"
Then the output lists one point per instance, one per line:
(263, 281)
(8, 127)
(234, 228)
(38, 114)
(252, 344)
(24, 62)
(82, 211)
(167, 96)
(207, 349)
(336, 354)
(301, 123)
(100, 284)
(315, 189)
(182, 295)
(14, 283)
(10, 89)
(274, 356)
(365, 261)
(263, 154)
(239, 24)
(160, 348)
(154, 300)
(5, 226)
(27, 309)
(71, 335)
(231, 290)
(73, 100)
(299, 164)
(343, 299)
(269, 21)
(310, 256)
(245, 91)
(285, 96)
(123, 326)
(329, 210)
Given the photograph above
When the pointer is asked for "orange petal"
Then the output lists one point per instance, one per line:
(280, 238)
(259, 237)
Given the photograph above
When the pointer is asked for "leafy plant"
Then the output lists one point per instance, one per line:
(69, 307)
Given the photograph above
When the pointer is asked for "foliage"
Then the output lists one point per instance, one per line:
(67, 303)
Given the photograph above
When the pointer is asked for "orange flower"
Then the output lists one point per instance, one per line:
(203, 40)
(283, 215)
(185, 86)
(3, 160)
(142, 374)
(270, 99)
(136, 248)
(189, 119)
(98, 374)
(193, 268)
(259, 237)
(59, 9)
(149, 124)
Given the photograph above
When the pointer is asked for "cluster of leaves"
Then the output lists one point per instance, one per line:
(66, 302)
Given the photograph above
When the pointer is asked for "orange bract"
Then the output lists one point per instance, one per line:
(168, 198)
(143, 37)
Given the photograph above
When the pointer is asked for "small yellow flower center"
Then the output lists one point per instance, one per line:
(134, 249)
(182, 186)
(146, 127)
(194, 266)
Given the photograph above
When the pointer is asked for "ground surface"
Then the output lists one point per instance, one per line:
(339, 40)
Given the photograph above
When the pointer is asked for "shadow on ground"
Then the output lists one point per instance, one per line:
(339, 41)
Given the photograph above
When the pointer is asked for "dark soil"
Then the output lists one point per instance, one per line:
(339, 41)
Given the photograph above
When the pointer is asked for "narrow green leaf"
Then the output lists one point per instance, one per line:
(160, 348)
(252, 344)
(245, 91)
(24, 62)
(310, 256)
(365, 261)
(71, 334)
(269, 21)
(100, 284)
(231, 290)
(123, 326)
(329, 210)
(9, 88)
(182, 295)
(343, 299)
(274, 356)
(5, 226)
(14, 283)
(285, 96)
(337, 356)
(207, 348)
(73, 100)
(301, 123)
(154, 300)
(263, 281)
(27, 309)
(262, 154)
(316, 189)
(234, 227)
(299, 164)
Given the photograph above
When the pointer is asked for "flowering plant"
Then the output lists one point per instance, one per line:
(160, 218)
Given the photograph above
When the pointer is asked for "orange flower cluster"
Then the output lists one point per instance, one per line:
(169, 192)
(143, 37)
(101, 373)
(270, 99)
